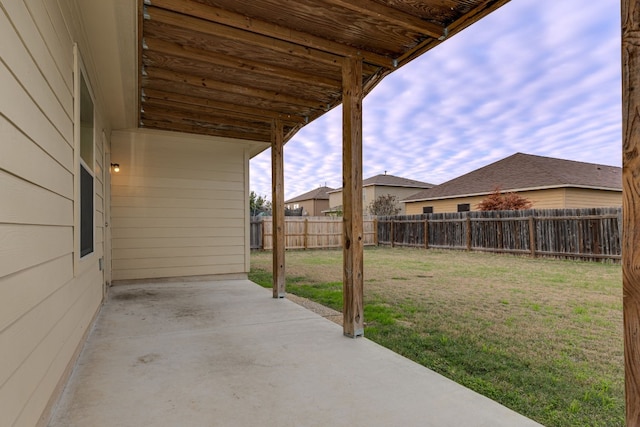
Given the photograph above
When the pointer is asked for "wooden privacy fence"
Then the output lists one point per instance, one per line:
(306, 232)
(592, 234)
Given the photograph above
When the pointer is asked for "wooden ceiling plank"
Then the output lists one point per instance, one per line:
(157, 73)
(225, 133)
(156, 103)
(245, 65)
(239, 110)
(228, 97)
(391, 15)
(188, 116)
(207, 27)
(235, 20)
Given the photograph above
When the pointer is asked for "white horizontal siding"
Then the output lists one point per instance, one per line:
(45, 306)
(178, 206)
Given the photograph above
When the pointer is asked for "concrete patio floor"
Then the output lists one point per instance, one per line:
(226, 354)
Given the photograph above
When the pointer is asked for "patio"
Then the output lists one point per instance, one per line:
(225, 353)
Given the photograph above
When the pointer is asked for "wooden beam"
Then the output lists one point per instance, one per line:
(389, 14)
(631, 205)
(207, 27)
(232, 109)
(170, 126)
(199, 114)
(240, 64)
(227, 97)
(159, 73)
(353, 244)
(277, 208)
(273, 31)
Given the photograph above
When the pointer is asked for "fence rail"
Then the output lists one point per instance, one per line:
(589, 234)
(306, 232)
(592, 234)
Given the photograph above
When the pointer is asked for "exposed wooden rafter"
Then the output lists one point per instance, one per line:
(377, 10)
(235, 20)
(250, 113)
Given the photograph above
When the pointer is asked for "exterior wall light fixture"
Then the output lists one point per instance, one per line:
(116, 167)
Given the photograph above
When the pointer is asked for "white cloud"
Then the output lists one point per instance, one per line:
(537, 76)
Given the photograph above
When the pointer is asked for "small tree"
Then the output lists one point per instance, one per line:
(258, 204)
(385, 205)
(498, 201)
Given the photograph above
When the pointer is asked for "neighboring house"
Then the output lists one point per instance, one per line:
(547, 182)
(312, 202)
(376, 186)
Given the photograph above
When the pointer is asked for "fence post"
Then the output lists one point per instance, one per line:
(392, 238)
(375, 231)
(426, 234)
(306, 232)
(532, 236)
(468, 232)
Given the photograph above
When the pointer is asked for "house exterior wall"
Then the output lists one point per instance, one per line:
(580, 198)
(371, 192)
(401, 193)
(557, 198)
(311, 207)
(335, 199)
(48, 295)
(179, 206)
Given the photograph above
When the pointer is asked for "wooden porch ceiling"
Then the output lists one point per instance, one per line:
(230, 67)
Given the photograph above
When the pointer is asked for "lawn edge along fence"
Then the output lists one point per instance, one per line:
(587, 234)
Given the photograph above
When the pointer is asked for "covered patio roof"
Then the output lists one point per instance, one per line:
(230, 67)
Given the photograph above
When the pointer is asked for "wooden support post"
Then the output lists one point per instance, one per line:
(306, 233)
(468, 233)
(277, 207)
(353, 252)
(631, 206)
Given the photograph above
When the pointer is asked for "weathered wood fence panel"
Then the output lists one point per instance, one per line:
(592, 234)
(306, 233)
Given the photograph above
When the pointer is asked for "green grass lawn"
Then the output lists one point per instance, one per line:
(543, 337)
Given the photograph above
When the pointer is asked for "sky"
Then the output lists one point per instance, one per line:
(536, 76)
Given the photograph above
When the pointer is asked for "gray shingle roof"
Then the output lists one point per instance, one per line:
(394, 181)
(525, 171)
(387, 180)
(320, 193)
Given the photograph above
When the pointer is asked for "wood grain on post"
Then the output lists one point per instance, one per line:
(630, 205)
(277, 207)
(353, 255)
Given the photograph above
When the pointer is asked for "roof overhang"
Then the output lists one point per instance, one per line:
(231, 67)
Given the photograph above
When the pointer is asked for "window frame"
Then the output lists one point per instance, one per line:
(83, 251)
(464, 207)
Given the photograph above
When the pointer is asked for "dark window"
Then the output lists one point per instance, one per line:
(86, 169)
(86, 212)
(427, 209)
(464, 207)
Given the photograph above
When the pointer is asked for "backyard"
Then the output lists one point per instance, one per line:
(540, 336)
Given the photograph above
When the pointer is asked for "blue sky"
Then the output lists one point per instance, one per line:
(537, 76)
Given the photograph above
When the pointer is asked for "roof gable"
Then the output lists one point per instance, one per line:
(320, 193)
(525, 172)
(394, 181)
